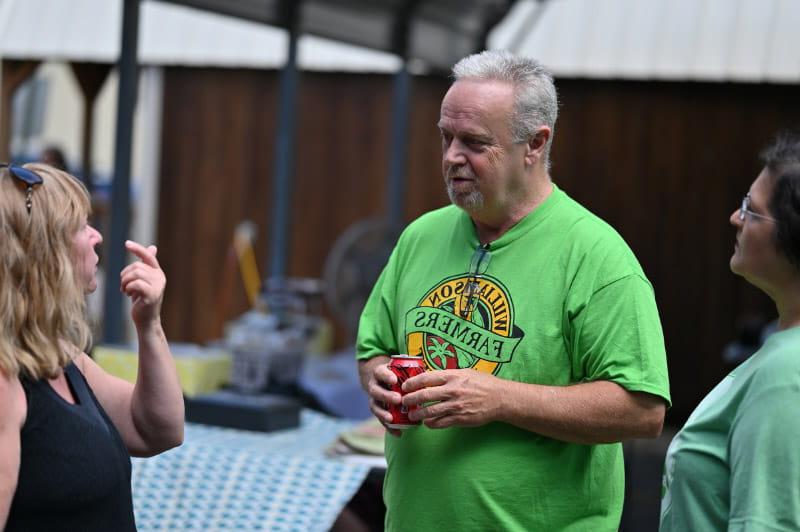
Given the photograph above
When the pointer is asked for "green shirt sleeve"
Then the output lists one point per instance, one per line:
(765, 461)
(616, 336)
(376, 331)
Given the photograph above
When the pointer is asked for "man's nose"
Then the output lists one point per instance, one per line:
(454, 153)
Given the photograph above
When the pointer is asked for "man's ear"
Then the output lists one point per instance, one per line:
(535, 147)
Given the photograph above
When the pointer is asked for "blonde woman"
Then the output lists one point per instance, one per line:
(68, 428)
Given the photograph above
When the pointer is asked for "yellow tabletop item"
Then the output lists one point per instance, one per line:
(201, 370)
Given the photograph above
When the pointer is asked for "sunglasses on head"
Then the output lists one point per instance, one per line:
(27, 177)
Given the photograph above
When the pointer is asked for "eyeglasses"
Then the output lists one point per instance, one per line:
(744, 211)
(28, 177)
(478, 265)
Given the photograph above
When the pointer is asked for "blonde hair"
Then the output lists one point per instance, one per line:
(42, 302)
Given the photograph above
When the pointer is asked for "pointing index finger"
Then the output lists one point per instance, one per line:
(146, 255)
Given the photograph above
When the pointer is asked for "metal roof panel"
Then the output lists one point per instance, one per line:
(704, 40)
(604, 37)
(783, 58)
(749, 50)
(714, 37)
(735, 40)
(676, 38)
(41, 28)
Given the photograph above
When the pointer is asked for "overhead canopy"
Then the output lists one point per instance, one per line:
(752, 41)
(438, 32)
(169, 34)
(700, 40)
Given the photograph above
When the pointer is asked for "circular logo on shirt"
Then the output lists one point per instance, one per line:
(464, 322)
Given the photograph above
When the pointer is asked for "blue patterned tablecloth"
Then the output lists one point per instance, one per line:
(225, 479)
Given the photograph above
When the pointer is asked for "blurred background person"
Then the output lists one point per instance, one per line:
(53, 156)
(67, 428)
(735, 464)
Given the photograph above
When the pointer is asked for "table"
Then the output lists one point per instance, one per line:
(226, 479)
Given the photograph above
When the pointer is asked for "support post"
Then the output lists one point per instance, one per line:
(120, 188)
(285, 148)
(90, 78)
(15, 73)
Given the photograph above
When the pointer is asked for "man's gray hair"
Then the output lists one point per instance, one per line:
(535, 98)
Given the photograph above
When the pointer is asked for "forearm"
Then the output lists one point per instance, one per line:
(587, 413)
(157, 403)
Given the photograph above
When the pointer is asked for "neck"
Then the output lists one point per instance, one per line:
(788, 314)
(491, 226)
(787, 301)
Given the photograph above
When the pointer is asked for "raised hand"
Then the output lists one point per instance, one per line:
(144, 282)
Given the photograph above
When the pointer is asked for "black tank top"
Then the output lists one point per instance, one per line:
(75, 471)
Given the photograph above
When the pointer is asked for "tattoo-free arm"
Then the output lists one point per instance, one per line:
(587, 413)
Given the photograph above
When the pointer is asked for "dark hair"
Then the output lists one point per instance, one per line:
(782, 161)
(53, 156)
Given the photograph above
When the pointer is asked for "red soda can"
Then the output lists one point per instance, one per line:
(404, 367)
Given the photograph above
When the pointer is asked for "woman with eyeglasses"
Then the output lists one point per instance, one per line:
(735, 465)
(68, 428)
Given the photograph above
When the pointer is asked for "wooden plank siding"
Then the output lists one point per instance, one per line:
(217, 166)
(664, 163)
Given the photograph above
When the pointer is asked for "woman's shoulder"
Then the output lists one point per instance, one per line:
(13, 404)
(780, 353)
(775, 368)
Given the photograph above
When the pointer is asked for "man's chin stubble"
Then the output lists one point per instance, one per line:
(470, 201)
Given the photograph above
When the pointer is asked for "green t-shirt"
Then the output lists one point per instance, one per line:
(563, 301)
(735, 465)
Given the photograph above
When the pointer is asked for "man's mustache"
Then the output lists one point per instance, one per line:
(458, 173)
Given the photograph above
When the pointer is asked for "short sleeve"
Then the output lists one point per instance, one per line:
(765, 461)
(616, 336)
(376, 332)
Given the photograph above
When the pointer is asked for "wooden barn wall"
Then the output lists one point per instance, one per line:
(217, 166)
(664, 163)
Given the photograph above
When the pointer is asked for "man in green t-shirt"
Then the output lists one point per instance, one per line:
(536, 324)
